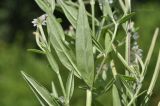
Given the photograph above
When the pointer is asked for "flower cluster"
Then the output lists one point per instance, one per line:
(39, 34)
(135, 50)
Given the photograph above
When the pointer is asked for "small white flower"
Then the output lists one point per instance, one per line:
(40, 20)
(35, 22)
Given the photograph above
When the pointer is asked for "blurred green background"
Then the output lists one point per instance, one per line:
(16, 37)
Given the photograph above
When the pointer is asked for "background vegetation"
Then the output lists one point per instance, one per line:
(16, 37)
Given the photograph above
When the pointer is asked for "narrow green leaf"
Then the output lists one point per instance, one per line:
(70, 86)
(122, 5)
(116, 98)
(141, 62)
(70, 12)
(128, 78)
(41, 101)
(98, 46)
(56, 34)
(36, 51)
(52, 4)
(126, 18)
(52, 62)
(46, 5)
(54, 91)
(107, 43)
(41, 91)
(155, 76)
(150, 51)
(109, 85)
(141, 93)
(127, 86)
(84, 50)
(123, 60)
(107, 9)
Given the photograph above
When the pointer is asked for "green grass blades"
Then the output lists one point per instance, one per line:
(84, 50)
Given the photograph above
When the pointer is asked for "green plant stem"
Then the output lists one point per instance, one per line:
(92, 2)
(88, 97)
(100, 68)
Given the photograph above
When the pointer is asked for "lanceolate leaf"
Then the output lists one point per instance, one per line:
(84, 50)
(70, 12)
(56, 38)
(116, 98)
(40, 91)
(107, 9)
(36, 51)
(107, 43)
(150, 51)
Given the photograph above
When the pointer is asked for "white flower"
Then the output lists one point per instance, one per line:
(40, 20)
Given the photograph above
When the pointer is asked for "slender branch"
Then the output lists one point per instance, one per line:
(100, 68)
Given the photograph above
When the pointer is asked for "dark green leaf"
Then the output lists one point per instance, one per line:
(36, 51)
(128, 78)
